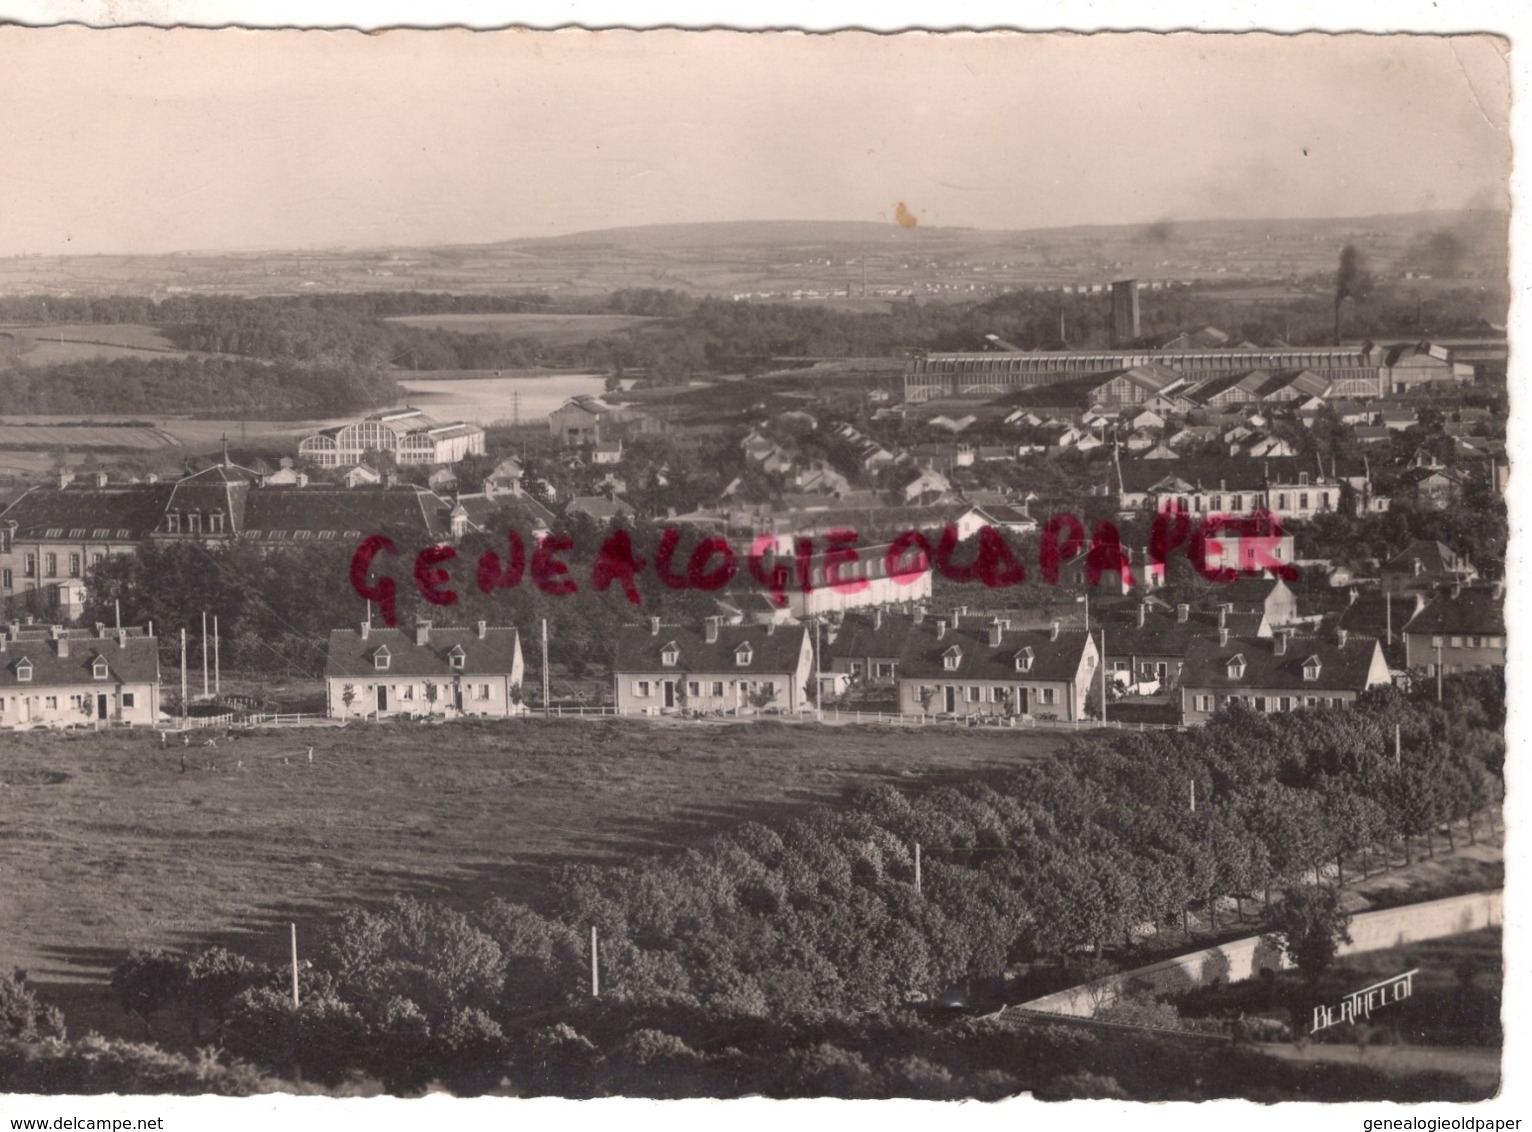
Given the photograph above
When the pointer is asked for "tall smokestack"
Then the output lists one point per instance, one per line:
(1351, 282)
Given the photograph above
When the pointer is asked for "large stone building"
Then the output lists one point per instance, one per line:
(407, 435)
(51, 676)
(51, 536)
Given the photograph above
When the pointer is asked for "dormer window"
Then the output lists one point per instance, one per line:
(24, 671)
(1311, 668)
(742, 656)
(670, 655)
(100, 669)
(194, 523)
(380, 659)
(952, 658)
(215, 523)
(457, 657)
(173, 522)
(1024, 660)
(1234, 667)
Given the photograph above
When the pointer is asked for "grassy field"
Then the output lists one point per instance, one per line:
(55, 344)
(553, 329)
(110, 845)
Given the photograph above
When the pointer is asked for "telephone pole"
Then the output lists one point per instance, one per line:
(183, 676)
(217, 672)
(545, 693)
(204, 654)
(595, 965)
(294, 929)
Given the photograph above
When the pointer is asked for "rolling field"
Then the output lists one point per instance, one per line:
(110, 845)
(553, 329)
(84, 436)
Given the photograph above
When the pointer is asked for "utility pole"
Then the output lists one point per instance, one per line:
(1194, 795)
(917, 869)
(217, 671)
(1102, 660)
(204, 654)
(183, 676)
(117, 605)
(1388, 606)
(1438, 673)
(1398, 757)
(294, 929)
(595, 965)
(545, 711)
(819, 711)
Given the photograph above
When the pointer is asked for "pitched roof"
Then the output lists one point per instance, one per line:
(1476, 609)
(351, 654)
(925, 653)
(121, 512)
(283, 512)
(1341, 668)
(638, 649)
(130, 660)
(1434, 556)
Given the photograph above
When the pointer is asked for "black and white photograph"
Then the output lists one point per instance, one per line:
(694, 564)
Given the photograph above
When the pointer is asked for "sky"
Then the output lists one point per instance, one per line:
(139, 140)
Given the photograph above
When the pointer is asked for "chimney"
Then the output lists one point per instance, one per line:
(1053, 631)
(1182, 613)
(366, 629)
(877, 618)
(996, 630)
(1340, 637)
(66, 477)
(1223, 616)
(54, 631)
(122, 638)
(710, 629)
(483, 629)
(1279, 642)
(422, 633)
(771, 628)
(100, 630)
(919, 615)
(941, 628)
(654, 626)
(1143, 609)
(1417, 567)
(1223, 636)
(63, 645)
(957, 615)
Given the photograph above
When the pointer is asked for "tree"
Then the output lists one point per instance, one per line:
(1310, 926)
(22, 1017)
(348, 696)
(148, 981)
(760, 697)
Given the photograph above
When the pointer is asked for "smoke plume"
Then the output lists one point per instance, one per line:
(1352, 281)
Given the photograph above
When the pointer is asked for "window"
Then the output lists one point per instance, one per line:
(1457, 642)
(742, 656)
(99, 669)
(883, 671)
(694, 688)
(194, 523)
(970, 695)
(1303, 500)
(1310, 701)
(52, 562)
(76, 702)
(215, 522)
(407, 692)
(1303, 479)
(1260, 703)
(641, 688)
(1286, 703)
(173, 522)
(1282, 501)
(1045, 696)
(670, 655)
(23, 671)
(1234, 667)
(1311, 668)
(51, 703)
(952, 658)
(97, 558)
(1436, 642)
(482, 692)
(855, 668)
(768, 687)
(716, 688)
(457, 657)
(380, 659)
(6, 579)
(1489, 642)
(29, 566)
(74, 565)
(129, 700)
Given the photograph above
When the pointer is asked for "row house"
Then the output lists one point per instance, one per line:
(715, 669)
(377, 673)
(1282, 672)
(51, 676)
(1426, 565)
(1147, 645)
(995, 670)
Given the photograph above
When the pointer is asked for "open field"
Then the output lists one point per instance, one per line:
(552, 329)
(64, 342)
(109, 845)
(484, 398)
(84, 436)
